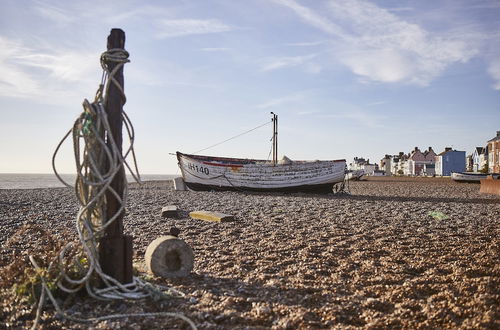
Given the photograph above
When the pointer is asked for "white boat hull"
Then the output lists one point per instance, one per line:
(471, 177)
(216, 173)
(355, 175)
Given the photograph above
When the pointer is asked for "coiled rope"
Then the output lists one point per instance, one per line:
(94, 150)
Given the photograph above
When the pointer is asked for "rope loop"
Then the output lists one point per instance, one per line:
(78, 264)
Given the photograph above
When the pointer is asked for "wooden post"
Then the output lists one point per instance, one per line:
(115, 249)
(275, 138)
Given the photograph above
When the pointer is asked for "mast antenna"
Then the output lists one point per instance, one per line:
(275, 138)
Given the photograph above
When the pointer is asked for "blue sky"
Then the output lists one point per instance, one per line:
(346, 77)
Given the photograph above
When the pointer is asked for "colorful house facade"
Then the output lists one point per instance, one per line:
(450, 161)
(479, 159)
(418, 161)
(494, 154)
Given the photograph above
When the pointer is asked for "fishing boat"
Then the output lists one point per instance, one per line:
(354, 175)
(221, 173)
(471, 176)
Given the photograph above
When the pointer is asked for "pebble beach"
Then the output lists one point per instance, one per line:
(393, 253)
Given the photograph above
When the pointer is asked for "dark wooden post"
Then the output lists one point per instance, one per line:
(275, 138)
(115, 250)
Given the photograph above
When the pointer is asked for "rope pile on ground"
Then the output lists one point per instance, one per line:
(77, 265)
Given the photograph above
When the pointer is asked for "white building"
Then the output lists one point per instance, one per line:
(386, 164)
(362, 164)
(479, 159)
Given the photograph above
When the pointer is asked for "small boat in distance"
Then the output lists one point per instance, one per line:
(471, 176)
(354, 175)
(221, 173)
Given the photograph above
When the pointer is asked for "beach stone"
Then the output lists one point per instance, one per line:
(169, 256)
(174, 231)
(170, 211)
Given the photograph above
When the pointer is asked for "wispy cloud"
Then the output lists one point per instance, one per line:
(494, 71)
(307, 113)
(14, 81)
(299, 96)
(400, 9)
(287, 61)
(483, 5)
(362, 118)
(170, 28)
(311, 17)
(48, 77)
(377, 45)
(375, 103)
(214, 49)
(306, 44)
(138, 13)
(66, 66)
(55, 14)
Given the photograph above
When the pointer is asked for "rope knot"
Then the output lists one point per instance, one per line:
(118, 55)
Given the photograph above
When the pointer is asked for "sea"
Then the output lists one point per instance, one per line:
(32, 181)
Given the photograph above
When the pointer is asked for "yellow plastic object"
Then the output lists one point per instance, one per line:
(211, 216)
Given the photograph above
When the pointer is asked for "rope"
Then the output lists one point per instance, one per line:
(234, 137)
(271, 149)
(47, 291)
(342, 188)
(92, 153)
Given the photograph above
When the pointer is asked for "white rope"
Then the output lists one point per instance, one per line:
(94, 150)
(46, 291)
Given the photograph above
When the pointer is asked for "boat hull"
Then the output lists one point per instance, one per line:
(216, 173)
(471, 177)
(355, 175)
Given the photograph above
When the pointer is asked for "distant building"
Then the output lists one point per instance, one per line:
(362, 164)
(357, 164)
(469, 163)
(430, 169)
(417, 161)
(405, 166)
(385, 164)
(398, 163)
(394, 165)
(479, 159)
(494, 154)
(450, 161)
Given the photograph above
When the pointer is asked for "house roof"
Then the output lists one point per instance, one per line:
(479, 150)
(429, 151)
(450, 150)
(446, 150)
(496, 138)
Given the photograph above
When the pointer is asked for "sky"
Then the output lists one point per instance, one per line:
(347, 78)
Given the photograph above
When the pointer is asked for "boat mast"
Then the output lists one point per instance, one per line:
(275, 138)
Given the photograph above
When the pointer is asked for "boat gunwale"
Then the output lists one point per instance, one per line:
(239, 162)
